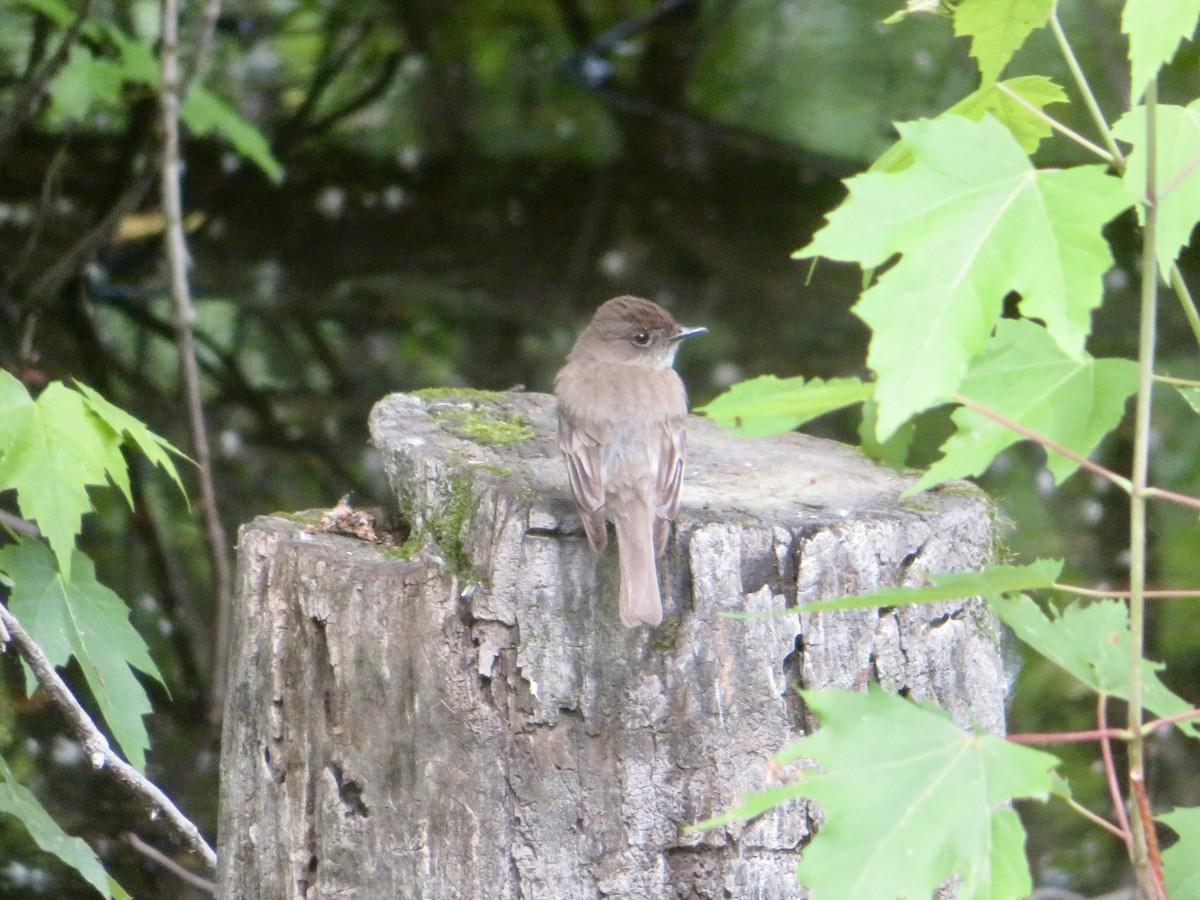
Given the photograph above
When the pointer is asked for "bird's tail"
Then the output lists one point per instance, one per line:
(640, 602)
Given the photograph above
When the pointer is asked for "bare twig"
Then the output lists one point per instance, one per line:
(29, 95)
(1110, 771)
(185, 321)
(1056, 125)
(1107, 474)
(167, 863)
(204, 43)
(1121, 595)
(99, 753)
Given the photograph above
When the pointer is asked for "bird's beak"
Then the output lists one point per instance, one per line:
(687, 332)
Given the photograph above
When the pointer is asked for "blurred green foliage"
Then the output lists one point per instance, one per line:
(457, 199)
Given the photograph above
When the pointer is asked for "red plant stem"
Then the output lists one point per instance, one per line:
(1068, 737)
(1098, 734)
(1152, 851)
(1107, 474)
(1110, 772)
(1083, 461)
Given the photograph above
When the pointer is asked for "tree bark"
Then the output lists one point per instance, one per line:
(473, 721)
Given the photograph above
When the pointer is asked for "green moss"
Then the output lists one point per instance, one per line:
(472, 395)
(502, 471)
(483, 426)
(666, 636)
(408, 549)
(447, 526)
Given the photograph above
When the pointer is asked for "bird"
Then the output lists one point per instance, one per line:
(621, 415)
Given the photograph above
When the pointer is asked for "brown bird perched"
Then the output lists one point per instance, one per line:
(621, 413)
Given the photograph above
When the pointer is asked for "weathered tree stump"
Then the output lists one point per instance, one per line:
(473, 721)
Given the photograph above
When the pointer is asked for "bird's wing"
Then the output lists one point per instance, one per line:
(672, 447)
(582, 451)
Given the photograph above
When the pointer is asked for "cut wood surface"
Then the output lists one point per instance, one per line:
(466, 717)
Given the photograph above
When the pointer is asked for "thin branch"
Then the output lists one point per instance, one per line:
(1105, 732)
(1085, 89)
(1110, 773)
(29, 95)
(1057, 125)
(167, 863)
(99, 753)
(1177, 382)
(1154, 493)
(1179, 286)
(1141, 824)
(185, 321)
(204, 44)
(1068, 737)
(1093, 817)
(1107, 474)
(1155, 724)
(1123, 483)
(1121, 595)
(1137, 786)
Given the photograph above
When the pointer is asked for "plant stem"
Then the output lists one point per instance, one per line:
(1107, 474)
(1057, 125)
(1110, 773)
(1169, 594)
(1137, 504)
(1177, 382)
(1185, 300)
(1089, 99)
(185, 320)
(99, 752)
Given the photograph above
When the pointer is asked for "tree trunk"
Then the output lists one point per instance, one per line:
(465, 716)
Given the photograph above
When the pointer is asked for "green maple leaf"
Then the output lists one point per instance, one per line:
(910, 800)
(972, 220)
(1028, 129)
(769, 405)
(1179, 860)
(1178, 141)
(1091, 643)
(19, 802)
(998, 28)
(1156, 28)
(894, 451)
(82, 618)
(991, 582)
(54, 448)
(1026, 378)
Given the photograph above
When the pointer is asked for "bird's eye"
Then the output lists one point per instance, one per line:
(642, 338)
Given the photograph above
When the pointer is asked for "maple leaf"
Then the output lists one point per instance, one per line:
(1155, 29)
(1178, 141)
(905, 813)
(998, 28)
(1025, 377)
(1091, 643)
(82, 618)
(1179, 860)
(53, 448)
(1027, 128)
(17, 801)
(972, 220)
(769, 405)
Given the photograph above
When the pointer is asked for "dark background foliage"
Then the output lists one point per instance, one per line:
(465, 181)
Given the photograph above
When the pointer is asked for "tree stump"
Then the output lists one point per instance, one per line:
(465, 717)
